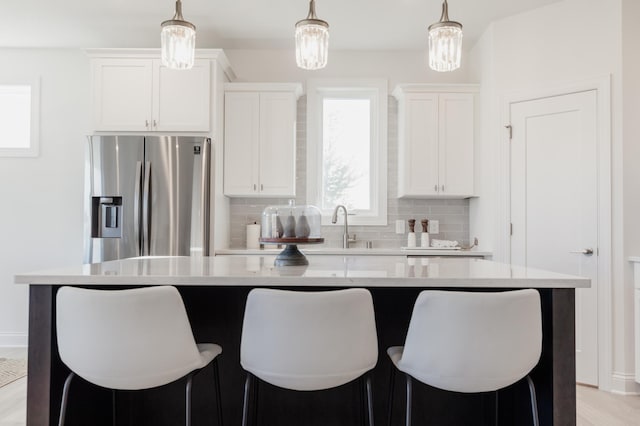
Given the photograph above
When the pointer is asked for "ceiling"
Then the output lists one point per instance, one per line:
(354, 24)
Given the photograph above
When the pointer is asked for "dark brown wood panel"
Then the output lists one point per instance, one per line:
(216, 316)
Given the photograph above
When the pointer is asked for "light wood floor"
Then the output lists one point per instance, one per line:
(598, 408)
(13, 397)
(595, 407)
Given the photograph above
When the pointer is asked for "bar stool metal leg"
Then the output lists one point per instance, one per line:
(65, 397)
(496, 408)
(216, 378)
(409, 396)
(369, 401)
(392, 380)
(534, 404)
(256, 400)
(362, 418)
(245, 405)
(113, 407)
(188, 387)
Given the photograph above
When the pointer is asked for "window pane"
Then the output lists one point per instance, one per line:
(15, 117)
(346, 148)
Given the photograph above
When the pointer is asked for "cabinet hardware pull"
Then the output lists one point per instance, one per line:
(146, 123)
(254, 186)
(442, 188)
(155, 124)
(261, 187)
(435, 188)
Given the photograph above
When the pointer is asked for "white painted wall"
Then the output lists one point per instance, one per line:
(551, 47)
(631, 171)
(220, 204)
(484, 220)
(41, 198)
(397, 66)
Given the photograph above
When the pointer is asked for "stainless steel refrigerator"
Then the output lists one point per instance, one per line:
(146, 196)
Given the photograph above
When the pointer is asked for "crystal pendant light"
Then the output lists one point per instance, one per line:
(312, 41)
(178, 41)
(445, 43)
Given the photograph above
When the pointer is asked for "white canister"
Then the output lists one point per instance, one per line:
(253, 236)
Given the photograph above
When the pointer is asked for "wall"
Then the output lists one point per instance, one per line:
(552, 47)
(397, 66)
(452, 214)
(41, 215)
(631, 171)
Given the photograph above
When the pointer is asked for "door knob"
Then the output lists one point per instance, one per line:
(587, 251)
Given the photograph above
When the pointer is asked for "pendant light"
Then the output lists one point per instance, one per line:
(178, 41)
(445, 43)
(312, 41)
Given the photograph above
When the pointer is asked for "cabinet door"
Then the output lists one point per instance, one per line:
(418, 145)
(456, 144)
(277, 144)
(241, 133)
(122, 94)
(181, 98)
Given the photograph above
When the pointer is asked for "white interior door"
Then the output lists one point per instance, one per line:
(554, 202)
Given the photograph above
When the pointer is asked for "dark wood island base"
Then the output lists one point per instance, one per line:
(216, 314)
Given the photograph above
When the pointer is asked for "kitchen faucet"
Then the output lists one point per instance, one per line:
(334, 219)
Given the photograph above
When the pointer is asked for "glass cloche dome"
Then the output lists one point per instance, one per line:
(292, 223)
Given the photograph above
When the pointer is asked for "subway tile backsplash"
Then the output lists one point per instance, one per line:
(453, 215)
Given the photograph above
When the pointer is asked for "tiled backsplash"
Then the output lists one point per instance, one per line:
(453, 215)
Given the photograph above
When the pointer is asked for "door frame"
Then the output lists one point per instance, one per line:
(602, 86)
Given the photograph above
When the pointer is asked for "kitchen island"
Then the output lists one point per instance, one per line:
(214, 290)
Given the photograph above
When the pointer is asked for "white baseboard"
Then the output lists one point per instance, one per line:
(624, 384)
(13, 340)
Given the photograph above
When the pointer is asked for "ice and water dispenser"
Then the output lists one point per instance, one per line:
(106, 217)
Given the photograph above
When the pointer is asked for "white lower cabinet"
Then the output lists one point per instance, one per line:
(435, 141)
(140, 94)
(260, 139)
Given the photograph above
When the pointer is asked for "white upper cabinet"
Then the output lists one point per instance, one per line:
(133, 91)
(143, 95)
(122, 94)
(242, 143)
(435, 141)
(181, 97)
(260, 139)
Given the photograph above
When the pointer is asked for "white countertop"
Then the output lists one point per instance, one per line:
(359, 252)
(330, 271)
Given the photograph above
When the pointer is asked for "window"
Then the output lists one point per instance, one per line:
(19, 121)
(347, 148)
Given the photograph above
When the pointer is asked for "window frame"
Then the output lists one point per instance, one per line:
(377, 91)
(34, 137)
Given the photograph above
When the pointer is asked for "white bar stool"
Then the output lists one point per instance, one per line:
(470, 342)
(130, 340)
(306, 341)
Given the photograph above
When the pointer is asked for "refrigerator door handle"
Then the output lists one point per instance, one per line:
(146, 210)
(206, 191)
(136, 207)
